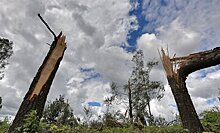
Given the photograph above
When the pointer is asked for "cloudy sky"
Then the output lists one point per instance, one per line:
(101, 35)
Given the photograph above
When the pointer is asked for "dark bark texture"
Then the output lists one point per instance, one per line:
(130, 103)
(36, 100)
(185, 106)
(177, 76)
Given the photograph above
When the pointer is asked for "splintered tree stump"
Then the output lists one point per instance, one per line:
(177, 69)
(36, 96)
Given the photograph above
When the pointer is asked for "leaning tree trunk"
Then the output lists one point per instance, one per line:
(177, 69)
(36, 96)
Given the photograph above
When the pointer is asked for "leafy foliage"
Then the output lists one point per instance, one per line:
(143, 89)
(51, 128)
(150, 129)
(4, 125)
(116, 97)
(211, 120)
(31, 123)
(111, 122)
(112, 119)
(159, 121)
(59, 112)
(5, 53)
(88, 116)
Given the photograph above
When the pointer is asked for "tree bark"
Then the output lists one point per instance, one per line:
(36, 96)
(130, 102)
(185, 106)
(176, 77)
(149, 113)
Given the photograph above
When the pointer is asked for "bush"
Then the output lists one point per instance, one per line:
(31, 123)
(211, 120)
(4, 125)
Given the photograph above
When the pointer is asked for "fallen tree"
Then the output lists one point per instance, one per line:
(177, 69)
(36, 96)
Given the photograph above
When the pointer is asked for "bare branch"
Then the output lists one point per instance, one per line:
(48, 44)
(46, 25)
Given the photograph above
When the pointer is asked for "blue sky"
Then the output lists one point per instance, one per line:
(97, 104)
(212, 101)
(166, 12)
(134, 35)
(95, 55)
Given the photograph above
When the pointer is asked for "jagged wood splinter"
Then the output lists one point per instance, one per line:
(36, 96)
(177, 76)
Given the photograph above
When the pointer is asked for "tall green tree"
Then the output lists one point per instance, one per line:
(5, 53)
(59, 112)
(143, 90)
(139, 91)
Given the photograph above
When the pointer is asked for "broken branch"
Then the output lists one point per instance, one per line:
(46, 25)
(177, 77)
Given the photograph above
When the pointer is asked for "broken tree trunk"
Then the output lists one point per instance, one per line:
(177, 69)
(36, 96)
